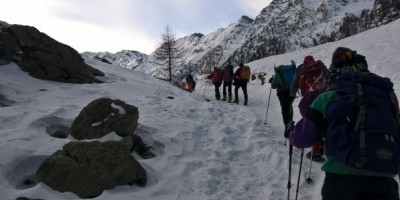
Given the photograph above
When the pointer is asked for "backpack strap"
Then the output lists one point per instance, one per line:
(360, 125)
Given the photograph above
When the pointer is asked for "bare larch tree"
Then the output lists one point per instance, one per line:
(167, 54)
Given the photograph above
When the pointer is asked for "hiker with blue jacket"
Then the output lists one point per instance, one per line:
(358, 116)
(281, 81)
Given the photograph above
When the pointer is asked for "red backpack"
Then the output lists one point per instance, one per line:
(308, 75)
(216, 76)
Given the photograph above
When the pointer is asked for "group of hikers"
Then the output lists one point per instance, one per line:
(349, 114)
(226, 77)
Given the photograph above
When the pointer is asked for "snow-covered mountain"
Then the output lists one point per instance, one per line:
(283, 26)
(288, 25)
(125, 58)
(204, 150)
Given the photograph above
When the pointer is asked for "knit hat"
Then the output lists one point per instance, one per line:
(340, 57)
(348, 61)
(308, 59)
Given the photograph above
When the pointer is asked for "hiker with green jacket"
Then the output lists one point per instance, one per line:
(358, 117)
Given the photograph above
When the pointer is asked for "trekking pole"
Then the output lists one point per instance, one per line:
(269, 98)
(298, 180)
(205, 87)
(309, 180)
(290, 170)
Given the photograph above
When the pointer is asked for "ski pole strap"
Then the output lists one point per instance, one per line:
(360, 125)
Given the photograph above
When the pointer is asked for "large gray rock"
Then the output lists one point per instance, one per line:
(43, 57)
(8, 47)
(89, 168)
(104, 115)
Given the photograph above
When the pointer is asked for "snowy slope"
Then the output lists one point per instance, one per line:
(205, 150)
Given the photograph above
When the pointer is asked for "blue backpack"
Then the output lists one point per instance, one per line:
(286, 75)
(363, 125)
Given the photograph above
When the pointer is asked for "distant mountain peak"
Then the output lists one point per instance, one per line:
(246, 19)
(198, 35)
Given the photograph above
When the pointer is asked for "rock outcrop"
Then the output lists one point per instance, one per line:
(89, 168)
(103, 116)
(43, 57)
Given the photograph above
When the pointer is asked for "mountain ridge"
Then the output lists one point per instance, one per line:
(281, 27)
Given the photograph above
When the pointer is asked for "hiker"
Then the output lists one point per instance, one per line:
(357, 104)
(306, 75)
(241, 78)
(227, 77)
(191, 84)
(281, 81)
(305, 80)
(216, 78)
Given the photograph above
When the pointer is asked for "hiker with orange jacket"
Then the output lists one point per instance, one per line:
(216, 78)
(241, 78)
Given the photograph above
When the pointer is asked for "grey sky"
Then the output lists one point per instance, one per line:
(114, 25)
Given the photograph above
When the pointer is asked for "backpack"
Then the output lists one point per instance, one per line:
(308, 75)
(189, 78)
(216, 76)
(245, 73)
(364, 129)
(286, 76)
(227, 74)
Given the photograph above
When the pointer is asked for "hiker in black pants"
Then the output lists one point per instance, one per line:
(281, 81)
(241, 78)
(227, 77)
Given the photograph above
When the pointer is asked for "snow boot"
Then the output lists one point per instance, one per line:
(317, 157)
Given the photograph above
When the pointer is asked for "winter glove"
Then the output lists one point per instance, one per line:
(289, 128)
(271, 79)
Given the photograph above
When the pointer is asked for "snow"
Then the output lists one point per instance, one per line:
(205, 150)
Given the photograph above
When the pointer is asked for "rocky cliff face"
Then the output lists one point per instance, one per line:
(287, 25)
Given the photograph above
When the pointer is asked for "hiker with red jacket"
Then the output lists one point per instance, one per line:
(305, 80)
(241, 78)
(216, 78)
(227, 77)
(191, 84)
(306, 75)
(356, 104)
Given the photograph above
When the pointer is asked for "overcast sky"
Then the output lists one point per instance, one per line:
(115, 25)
